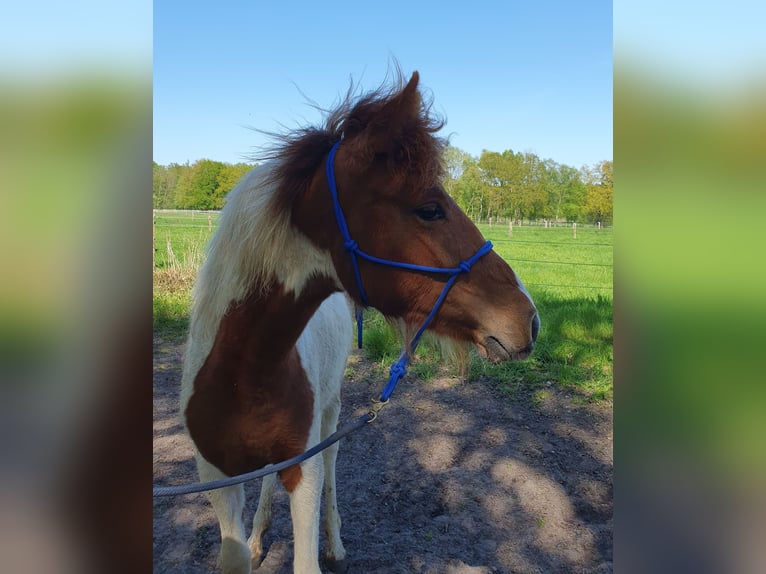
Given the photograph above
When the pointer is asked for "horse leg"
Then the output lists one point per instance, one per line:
(336, 553)
(228, 504)
(304, 511)
(262, 518)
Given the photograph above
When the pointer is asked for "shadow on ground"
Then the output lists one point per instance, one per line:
(454, 478)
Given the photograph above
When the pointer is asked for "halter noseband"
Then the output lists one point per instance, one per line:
(399, 368)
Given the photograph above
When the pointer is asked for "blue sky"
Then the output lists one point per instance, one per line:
(533, 76)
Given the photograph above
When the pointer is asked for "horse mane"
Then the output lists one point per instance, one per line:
(237, 257)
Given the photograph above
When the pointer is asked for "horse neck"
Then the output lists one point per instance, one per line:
(263, 279)
(262, 329)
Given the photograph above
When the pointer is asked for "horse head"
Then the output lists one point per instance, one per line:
(389, 174)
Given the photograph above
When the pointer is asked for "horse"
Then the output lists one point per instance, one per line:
(271, 321)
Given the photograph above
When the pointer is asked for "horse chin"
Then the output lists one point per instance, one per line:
(493, 350)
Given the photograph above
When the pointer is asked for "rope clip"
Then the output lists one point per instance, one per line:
(377, 406)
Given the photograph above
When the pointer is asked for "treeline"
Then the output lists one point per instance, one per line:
(201, 185)
(521, 186)
(497, 186)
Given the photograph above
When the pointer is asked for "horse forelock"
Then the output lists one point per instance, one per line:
(299, 153)
(416, 153)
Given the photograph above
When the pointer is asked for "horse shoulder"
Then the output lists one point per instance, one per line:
(325, 344)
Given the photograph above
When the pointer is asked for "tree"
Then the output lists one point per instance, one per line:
(599, 200)
(228, 178)
(202, 185)
(530, 195)
(197, 187)
(464, 182)
(205, 189)
(565, 191)
(500, 173)
(507, 184)
(183, 193)
(455, 162)
(159, 185)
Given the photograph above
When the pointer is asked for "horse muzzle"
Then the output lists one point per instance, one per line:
(496, 349)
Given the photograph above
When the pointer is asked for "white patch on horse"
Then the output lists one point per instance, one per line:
(523, 289)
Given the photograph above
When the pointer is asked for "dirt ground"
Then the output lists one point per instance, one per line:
(453, 478)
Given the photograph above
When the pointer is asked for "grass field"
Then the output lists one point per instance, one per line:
(180, 237)
(569, 279)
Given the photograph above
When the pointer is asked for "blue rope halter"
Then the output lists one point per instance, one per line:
(399, 368)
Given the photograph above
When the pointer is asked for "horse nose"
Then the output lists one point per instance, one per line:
(535, 327)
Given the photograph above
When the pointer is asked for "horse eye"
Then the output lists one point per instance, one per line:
(430, 212)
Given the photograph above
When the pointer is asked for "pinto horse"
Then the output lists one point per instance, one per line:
(271, 323)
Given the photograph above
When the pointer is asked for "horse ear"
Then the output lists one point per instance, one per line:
(405, 106)
(384, 130)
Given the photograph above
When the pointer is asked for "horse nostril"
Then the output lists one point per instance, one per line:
(535, 327)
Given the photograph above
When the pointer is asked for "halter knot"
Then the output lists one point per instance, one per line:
(398, 370)
(465, 266)
(351, 246)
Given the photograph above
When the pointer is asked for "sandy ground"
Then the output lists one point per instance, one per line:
(453, 478)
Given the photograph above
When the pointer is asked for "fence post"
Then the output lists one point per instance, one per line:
(574, 230)
(510, 227)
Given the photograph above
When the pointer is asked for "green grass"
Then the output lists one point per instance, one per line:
(588, 268)
(574, 347)
(180, 237)
(574, 350)
(380, 342)
(383, 345)
(179, 244)
(170, 311)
